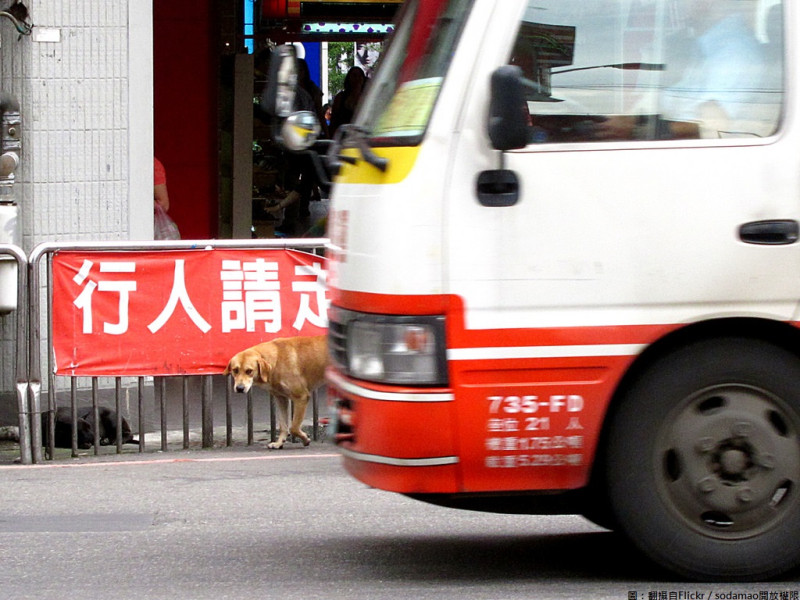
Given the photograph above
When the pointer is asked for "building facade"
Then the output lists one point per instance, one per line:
(83, 80)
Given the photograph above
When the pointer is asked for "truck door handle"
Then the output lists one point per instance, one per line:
(776, 232)
(498, 188)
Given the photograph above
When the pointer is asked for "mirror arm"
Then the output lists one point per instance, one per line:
(323, 174)
(276, 124)
(376, 161)
(335, 158)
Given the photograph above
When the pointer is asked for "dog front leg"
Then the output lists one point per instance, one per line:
(283, 423)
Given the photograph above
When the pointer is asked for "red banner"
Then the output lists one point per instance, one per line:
(179, 312)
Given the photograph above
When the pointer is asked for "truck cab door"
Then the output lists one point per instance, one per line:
(649, 190)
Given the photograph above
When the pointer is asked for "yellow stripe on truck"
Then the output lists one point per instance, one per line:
(401, 161)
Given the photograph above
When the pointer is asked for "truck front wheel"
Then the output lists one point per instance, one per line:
(703, 461)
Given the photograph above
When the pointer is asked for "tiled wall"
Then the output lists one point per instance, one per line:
(85, 90)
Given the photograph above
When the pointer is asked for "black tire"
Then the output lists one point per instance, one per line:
(703, 461)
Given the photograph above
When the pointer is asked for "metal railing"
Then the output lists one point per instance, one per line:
(21, 355)
(29, 365)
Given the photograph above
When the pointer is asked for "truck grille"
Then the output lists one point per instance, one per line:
(337, 334)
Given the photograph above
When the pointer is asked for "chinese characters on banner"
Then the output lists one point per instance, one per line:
(179, 312)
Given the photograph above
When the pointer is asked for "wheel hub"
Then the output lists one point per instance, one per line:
(733, 461)
(721, 474)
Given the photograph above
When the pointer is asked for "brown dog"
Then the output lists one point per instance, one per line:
(290, 368)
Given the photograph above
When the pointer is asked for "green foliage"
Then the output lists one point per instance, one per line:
(341, 56)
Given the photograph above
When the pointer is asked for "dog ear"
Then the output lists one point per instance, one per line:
(263, 370)
(227, 370)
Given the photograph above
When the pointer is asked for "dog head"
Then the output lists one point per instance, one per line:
(85, 434)
(247, 368)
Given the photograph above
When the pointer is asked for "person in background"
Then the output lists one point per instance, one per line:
(346, 101)
(160, 195)
(326, 111)
(299, 177)
(305, 82)
(164, 228)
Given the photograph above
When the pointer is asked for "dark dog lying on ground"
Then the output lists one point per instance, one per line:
(107, 428)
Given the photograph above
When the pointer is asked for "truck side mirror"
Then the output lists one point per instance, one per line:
(278, 98)
(508, 112)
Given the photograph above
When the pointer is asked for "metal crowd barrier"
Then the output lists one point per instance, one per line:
(21, 357)
(29, 366)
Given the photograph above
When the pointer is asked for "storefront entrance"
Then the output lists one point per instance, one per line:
(222, 169)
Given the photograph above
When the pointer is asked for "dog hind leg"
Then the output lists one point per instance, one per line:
(300, 404)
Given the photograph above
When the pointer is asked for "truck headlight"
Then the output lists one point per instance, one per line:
(400, 350)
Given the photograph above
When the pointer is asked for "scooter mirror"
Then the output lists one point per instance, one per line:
(278, 98)
(300, 131)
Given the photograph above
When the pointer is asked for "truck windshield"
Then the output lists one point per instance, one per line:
(651, 70)
(400, 99)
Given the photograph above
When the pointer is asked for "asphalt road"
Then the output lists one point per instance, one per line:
(248, 523)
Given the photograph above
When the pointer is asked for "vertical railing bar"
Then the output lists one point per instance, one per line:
(228, 416)
(21, 358)
(25, 450)
(161, 385)
(140, 401)
(208, 414)
(185, 401)
(51, 377)
(96, 413)
(50, 421)
(73, 413)
(315, 413)
(33, 401)
(271, 417)
(52, 405)
(250, 417)
(292, 437)
(48, 426)
(118, 411)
